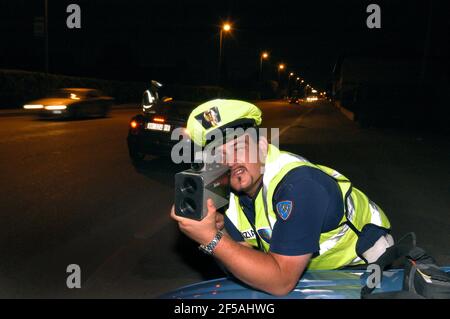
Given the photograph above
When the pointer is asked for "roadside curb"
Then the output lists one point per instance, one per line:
(348, 114)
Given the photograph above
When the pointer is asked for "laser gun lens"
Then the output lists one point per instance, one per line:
(189, 186)
(188, 207)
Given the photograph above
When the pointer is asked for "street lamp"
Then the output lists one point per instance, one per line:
(281, 67)
(226, 27)
(264, 56)
(291, 74)
(46, 34)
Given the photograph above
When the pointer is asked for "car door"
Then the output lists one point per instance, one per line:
(93, 104)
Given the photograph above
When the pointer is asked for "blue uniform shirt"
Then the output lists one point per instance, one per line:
(317, 207)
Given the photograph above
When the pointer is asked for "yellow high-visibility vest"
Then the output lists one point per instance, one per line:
(337, 247)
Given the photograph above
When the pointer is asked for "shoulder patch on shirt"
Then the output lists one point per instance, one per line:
(284, 208)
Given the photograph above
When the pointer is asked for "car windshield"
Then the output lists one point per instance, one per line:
(67, 94)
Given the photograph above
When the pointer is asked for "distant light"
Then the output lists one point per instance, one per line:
(314, 91)
(133, 124)
(55, 107)
(265, 55)
(302, 81)
(281, 66)
(33, 106)
(291, 74)
(226, 27)
(298, 79)
(167, 99)
(74, 96)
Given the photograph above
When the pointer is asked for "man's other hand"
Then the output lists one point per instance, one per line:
(202, 231)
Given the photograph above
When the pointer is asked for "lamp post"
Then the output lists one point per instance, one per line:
(291, 74)
(281, 67)
(46, 34)
(226, 27)
(263, 56)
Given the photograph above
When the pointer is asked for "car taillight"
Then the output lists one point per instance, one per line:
(134, 124)
(159, 119)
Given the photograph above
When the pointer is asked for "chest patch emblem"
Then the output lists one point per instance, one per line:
(284, 209)
(265, 234)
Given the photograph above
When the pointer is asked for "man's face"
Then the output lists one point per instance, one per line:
(241, 155)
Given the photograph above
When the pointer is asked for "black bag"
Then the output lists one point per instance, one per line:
(422, 277)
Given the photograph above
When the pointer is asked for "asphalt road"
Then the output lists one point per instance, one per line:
(69, 195)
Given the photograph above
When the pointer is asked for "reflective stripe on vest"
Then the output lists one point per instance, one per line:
(337, 247)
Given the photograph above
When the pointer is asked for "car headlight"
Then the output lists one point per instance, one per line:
(55, 107)
(33, 106)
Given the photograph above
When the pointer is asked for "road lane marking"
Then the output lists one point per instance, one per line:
(296, 122)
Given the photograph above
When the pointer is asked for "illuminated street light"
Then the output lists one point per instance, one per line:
(263, 56)
(281, 67)
(291, 74)
(226, 27)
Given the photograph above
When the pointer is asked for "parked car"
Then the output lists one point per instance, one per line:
(72, 103)
(150, 132)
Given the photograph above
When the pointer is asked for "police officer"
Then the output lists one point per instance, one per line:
(285, 214)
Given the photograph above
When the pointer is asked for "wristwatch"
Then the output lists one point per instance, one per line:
(209, 249)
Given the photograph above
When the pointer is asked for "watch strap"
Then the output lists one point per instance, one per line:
(209, 248)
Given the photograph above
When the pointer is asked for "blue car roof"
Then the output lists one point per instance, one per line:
(315, 284)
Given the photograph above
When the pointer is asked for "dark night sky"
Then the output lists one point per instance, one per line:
(178, 40)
